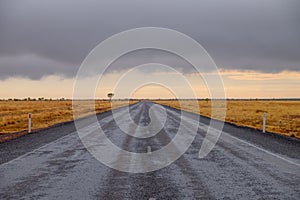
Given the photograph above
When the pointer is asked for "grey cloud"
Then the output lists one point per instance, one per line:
(140, 57)
(238, 34)
(33, 67)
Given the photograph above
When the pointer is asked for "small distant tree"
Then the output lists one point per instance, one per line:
(110, 95)
(207, 99)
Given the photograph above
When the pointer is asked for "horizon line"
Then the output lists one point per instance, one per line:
(123, 99)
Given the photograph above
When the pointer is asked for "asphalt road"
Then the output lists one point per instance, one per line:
(244, 164)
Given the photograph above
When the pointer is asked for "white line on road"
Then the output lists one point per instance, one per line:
(24, 155)
(250, 144)
(148, 149)
(264, 150)
(41, 147)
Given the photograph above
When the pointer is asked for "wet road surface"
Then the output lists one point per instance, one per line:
(237, 168)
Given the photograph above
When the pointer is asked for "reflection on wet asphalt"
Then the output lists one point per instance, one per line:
(234, 169)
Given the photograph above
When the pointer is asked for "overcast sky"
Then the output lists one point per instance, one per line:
(52, 37)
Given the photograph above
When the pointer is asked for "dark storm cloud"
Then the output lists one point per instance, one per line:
(39, 38)
(140, 57)
(33, 67)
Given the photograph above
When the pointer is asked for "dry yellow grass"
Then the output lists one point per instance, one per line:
(13, 114)
(283, 117)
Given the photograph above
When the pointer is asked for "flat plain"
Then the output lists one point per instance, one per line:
(283, 117)
(14, 114)
(56, 163)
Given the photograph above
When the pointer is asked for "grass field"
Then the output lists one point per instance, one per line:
(14, 114)
(283, 117)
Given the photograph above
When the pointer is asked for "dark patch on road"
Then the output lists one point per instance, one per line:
(273, 142)
(65, 169)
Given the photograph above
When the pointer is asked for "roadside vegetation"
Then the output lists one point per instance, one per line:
(283, 117)
(45, 112)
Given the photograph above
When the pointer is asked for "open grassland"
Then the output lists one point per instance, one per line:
(14, 114)
(283, 117)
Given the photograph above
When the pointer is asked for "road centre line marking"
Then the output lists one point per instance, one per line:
(227, 134)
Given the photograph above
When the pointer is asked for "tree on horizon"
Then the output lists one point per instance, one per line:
(110, 95)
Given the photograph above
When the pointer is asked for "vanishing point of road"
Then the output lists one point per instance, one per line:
(245, 164)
